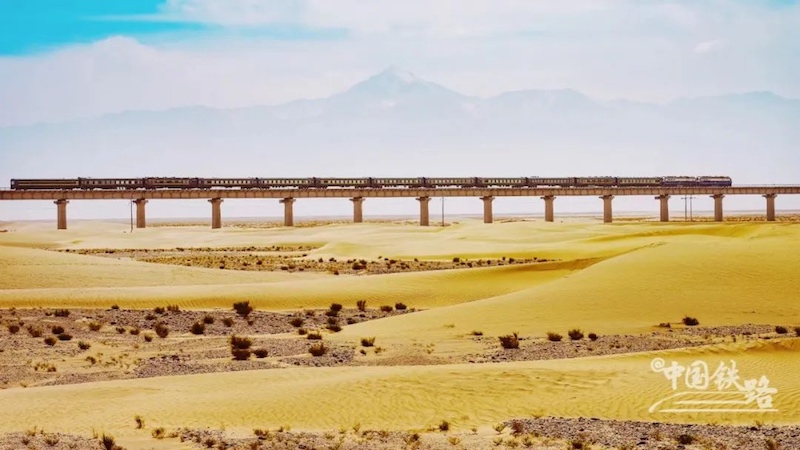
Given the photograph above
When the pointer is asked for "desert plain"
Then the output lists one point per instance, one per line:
(411, 320)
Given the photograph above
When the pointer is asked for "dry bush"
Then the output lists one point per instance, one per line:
(296, 322)
(173, 308)
(13, 328)
(61, 313)
(361, 305)
(336, 307)
(261, 352)
(592, 336)
(208, 319)
(120, 330)
(368, 342)
(400, 306)
(159, 310)
(781, 330)
(243, 308)
(690, 321)
(135, 331)
(198, 328)
(161, 330)
(387, 308)
(34, 331)
(83, 345)
(57, 329)
(95, 325)
(50, 340)
(575, 334)
(553, 337)
(240, 354)
(318, 349)
(64, 337)
(240, 347)
(148, 338)
(139, 422)
(314, 336)
(228, 322)
(510, 341)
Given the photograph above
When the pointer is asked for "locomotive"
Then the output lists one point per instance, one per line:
(324, 183)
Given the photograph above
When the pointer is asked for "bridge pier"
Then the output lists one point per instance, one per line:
(487, 209)
(288, 212)
(608, 215)
(62, 213)
(718, 207)
(424, 216)
(664, 198)
(216, 213)
(358, 209)
(770, 207)
(140, 213)
(548, 207)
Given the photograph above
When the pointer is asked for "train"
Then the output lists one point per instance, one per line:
(324, 183)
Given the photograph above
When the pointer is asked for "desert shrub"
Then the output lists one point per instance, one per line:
(261, 352)
(159, 310)
(208, 319)
(139, 422)
(161, 330)
(296, 322)
(57, 329)
(336, 307)
(318, 349)
(690, 321)
(334, 327)
(332, 321)
(517, 426)
(314, 336)
(51, 440)
(173, 308)
(150, 316)
(13, 328)
(34, 331)
(83, 345)
(64, 337)
(592, 336)
(95, 325)
(332, 313)
(242, 343)
(243, 308)
(148, 338)
(444, 425)
(400, 306)
(115, 306)
(664, 325)
(797, 331)
(575, 334)
(685, 439)
(240, 354)
(135, 331)
(456, 259)
(50, 340)
(781, 330)
(228, 322)
(121, 330)
(351, 320)
(361, 305)
(159, 433)
(510, 341)
(198, 328)
(301, 331)
(108, 441)
(368, 342)
(387, 308)
(477, 333)
(553, 337)
(61, 313)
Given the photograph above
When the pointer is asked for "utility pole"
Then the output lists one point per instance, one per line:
(131, 215)
(442, 211)
(687, 208)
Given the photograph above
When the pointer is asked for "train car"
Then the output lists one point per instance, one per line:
(241, 183)
(595, 181)
(171, 183)
(45, 184)
(679, 181)
(550, 182)
(718, 181)
(396, 182)
(501, 182)
(285, 183)
(450, 182)
(343, 182)
(111, 183)
(639, 181)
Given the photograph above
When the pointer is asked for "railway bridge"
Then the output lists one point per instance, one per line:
(288, 197)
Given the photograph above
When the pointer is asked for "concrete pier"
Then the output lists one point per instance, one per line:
(358, 209)
(424, 215)
(62, 213)
(141, 219)
(718, 207)
(608, 213)
(548, 207)
(770, 207)
(487, 209)
(288, 212)
(216, 213)
(664, 199)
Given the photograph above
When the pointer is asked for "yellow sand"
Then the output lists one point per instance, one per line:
(611, 279)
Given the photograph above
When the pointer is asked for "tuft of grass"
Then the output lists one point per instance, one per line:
(685, 439)
(261, 352)
(592, 336)
(690, 321)
(336, 307)
(228, 322)
(240, 354)
(243, 308)
(83, 345)
(301, 331)
(297, 322)
(95, 325)
(575, 334)
(553, 337)
(314, 336)
(50, 340)
(108, 442)
(477, 333)
(61, 313)
(159, 433)
(198, 328)
(208, 319)
(173, 308)
(159, 310)
(318, 349)
(781, 330)
(148, 337)
(34, 331)
(115, 306)
(361, 305)
(387, 308)
(135, 331)
(400, 306)
(444, 425)
(139, 422)
(121, 330)
(510, 341)
(57, 329)
(367, 342)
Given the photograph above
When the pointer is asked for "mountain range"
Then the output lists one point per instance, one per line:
(397, 124)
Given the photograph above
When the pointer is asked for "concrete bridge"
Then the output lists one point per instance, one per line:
(287, 197)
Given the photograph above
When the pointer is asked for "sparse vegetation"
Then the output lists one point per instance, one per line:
(575, 334)
(208, 319)
(95, 325)
(387, 308)
(336, 307)
(367, 342)
(34, 331)
(781, 330)
(797, 331)
(108, 442)
(444, 425)
(477, 333)
(261, 352)
(314, 336)
(173, 308)
(361, 305)
(50, 340)
(228, 322)
(57, 329)
(690, 321)
(243, 308)
(61, 313)
(139, 422)
(554, 337)
(198, 328)
(240, 347)
(135, 331)
(83, 345)
(592, 336)
(13, 328)
(64, 337)
(161, 330)
(400, 306)
(685, 439)
(297, 322)
(318, 349)
(159, 433)
(509, 341)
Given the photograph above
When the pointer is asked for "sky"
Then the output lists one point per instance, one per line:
(69, 60)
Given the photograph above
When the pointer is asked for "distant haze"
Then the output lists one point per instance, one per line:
(397, 124)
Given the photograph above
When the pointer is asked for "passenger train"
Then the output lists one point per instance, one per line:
(323, 183)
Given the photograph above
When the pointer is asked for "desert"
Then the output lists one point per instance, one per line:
(517, 334)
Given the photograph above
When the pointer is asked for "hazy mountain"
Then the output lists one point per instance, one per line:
(395, 123)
